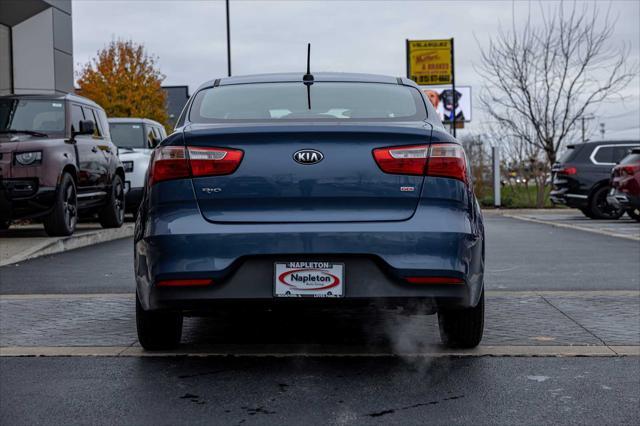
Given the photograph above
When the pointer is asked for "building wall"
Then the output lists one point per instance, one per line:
(33, 67)
(41, 47)
(177, 97)
(5, 60)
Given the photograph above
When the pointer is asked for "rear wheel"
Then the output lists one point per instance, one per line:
(634, 214)
(462, 328)
(599, 207)
(158, 330)
(64, 216)
(112, 215)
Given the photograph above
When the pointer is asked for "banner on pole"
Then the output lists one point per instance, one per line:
(445, 101)
(429, 61)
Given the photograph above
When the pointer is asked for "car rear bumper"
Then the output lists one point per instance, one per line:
(439, 240)
(561, 196)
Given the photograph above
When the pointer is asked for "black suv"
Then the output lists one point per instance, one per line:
(581, 177)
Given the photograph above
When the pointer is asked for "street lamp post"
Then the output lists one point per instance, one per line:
(228, 41)
(583, 119)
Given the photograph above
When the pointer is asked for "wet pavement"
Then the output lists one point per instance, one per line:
(561, 346)
(320, 391)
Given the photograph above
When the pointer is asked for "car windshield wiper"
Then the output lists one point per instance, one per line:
(28, 132)
(128, 148)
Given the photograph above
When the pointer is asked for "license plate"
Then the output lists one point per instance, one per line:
(309, 279)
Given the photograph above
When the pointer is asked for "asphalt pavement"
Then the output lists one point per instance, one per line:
(561, 345)
(525, 255)
(319, 391)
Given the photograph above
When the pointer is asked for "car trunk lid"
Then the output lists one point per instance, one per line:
(272, 184)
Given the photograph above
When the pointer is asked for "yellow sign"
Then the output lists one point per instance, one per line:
(429, 61)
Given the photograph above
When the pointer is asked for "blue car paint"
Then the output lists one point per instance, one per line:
(269, 187)
(178, 237)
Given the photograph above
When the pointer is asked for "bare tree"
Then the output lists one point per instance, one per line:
(542, 79)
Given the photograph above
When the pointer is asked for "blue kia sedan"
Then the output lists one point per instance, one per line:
(309, 190)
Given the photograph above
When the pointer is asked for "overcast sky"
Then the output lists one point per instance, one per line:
(189, 38)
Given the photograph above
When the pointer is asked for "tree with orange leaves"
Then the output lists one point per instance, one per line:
(125, 81)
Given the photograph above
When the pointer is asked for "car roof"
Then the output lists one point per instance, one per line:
(318, 77)
(56, 96)
(133, 120)
(612, 142)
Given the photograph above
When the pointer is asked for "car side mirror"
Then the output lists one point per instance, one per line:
(155, 142)
(87, 127)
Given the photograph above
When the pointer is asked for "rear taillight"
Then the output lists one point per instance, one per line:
(447, 160)
(443, 160)
(168, 162)
(177, 162)
(185, 283)
(434, 280)
(214, 161)
(403, 160)
(568, 171)
(629, 170)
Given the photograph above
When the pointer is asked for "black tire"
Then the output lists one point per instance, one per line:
(586, 212)
(158, 330)
(599, 207)
(634, 214)
(112, 214)
(462, 328)
(63, 218)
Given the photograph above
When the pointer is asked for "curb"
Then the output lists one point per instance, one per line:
(136, 351)
(71, 242)
(569, 226)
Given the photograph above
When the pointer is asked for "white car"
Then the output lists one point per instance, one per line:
(135, 139)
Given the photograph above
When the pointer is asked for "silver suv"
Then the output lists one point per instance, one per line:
(135, 139)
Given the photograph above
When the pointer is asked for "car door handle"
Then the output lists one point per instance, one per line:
(94, 149)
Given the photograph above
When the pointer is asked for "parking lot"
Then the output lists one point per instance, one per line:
(566, 338)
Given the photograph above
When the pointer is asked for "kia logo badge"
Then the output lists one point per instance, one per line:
(308, 156)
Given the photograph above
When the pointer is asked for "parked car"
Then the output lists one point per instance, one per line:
(625, 184)
(581, 177)
(135, 139)
(332, 189)
(57, 161)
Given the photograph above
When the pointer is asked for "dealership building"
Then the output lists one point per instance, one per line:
(36, 46)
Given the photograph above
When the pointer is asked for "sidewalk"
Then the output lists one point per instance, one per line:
(23, 242)
(545, 323)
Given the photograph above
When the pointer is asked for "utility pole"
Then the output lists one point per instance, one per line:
(228, 41)
(453, 87)
(583, 119)
(495, 154)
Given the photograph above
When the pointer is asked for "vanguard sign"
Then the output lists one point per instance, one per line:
(429, 62)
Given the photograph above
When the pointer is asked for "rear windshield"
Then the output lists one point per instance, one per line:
(46, 116)
(320, 101)
(128, 135)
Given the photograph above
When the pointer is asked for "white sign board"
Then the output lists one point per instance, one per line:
(443, 99)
